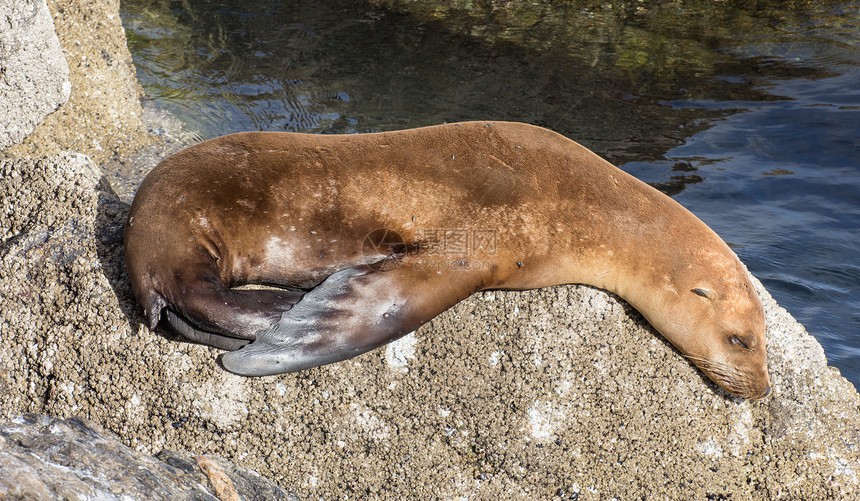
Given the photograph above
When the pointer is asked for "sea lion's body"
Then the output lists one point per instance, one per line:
(372, 235)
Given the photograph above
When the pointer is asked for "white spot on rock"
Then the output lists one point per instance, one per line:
(135, 412)
(545, 419)
(495, 357)
(369, 422)
(224, 402)
(399, 352)
(739, 436)
(709, 448)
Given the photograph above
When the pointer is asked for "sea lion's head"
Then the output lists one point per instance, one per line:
(713, 315)
(735, 354)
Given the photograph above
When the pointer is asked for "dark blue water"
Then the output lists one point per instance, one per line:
(749, 116)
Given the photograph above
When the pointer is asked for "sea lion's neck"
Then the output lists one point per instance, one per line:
(622, 236)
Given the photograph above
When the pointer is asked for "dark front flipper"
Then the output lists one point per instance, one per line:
(188, 332)
(350, 313)
(207, 312)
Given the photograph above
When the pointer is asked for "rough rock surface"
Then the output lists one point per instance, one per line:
(102, 119)
(563, 391)
(34, 75)
(45, 458)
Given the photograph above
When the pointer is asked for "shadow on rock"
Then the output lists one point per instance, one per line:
(108, 232)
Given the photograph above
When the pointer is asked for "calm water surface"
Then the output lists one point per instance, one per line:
(748, 117)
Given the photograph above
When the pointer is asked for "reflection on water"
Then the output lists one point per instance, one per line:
(749, 116)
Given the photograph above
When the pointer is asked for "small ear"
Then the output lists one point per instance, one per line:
(706, 293)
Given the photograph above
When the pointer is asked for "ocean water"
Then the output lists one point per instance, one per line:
(749, 116)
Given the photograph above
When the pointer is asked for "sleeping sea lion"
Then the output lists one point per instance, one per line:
(368, 236)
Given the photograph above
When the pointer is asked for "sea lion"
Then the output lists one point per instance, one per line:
(369, 236)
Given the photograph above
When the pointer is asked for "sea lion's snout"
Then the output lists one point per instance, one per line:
(761, 387)
(739, 382)
(765, 385)
(765, 394)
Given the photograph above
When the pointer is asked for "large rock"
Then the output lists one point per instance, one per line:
(102, 119)
(34, 75)
(562, 391)
(45, 458)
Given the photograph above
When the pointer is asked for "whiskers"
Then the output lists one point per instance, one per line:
(730, 378)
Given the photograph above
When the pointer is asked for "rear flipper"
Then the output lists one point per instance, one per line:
(353, 311)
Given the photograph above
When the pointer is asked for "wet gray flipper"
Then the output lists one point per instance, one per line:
(353, 311)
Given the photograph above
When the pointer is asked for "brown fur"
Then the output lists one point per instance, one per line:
(292, 210)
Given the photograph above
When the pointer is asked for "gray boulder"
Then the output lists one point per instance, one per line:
(560, 392)
(45, 458)
(34, 75)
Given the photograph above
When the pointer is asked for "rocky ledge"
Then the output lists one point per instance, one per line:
(562, 392)
(45, 458)
(34, 75)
